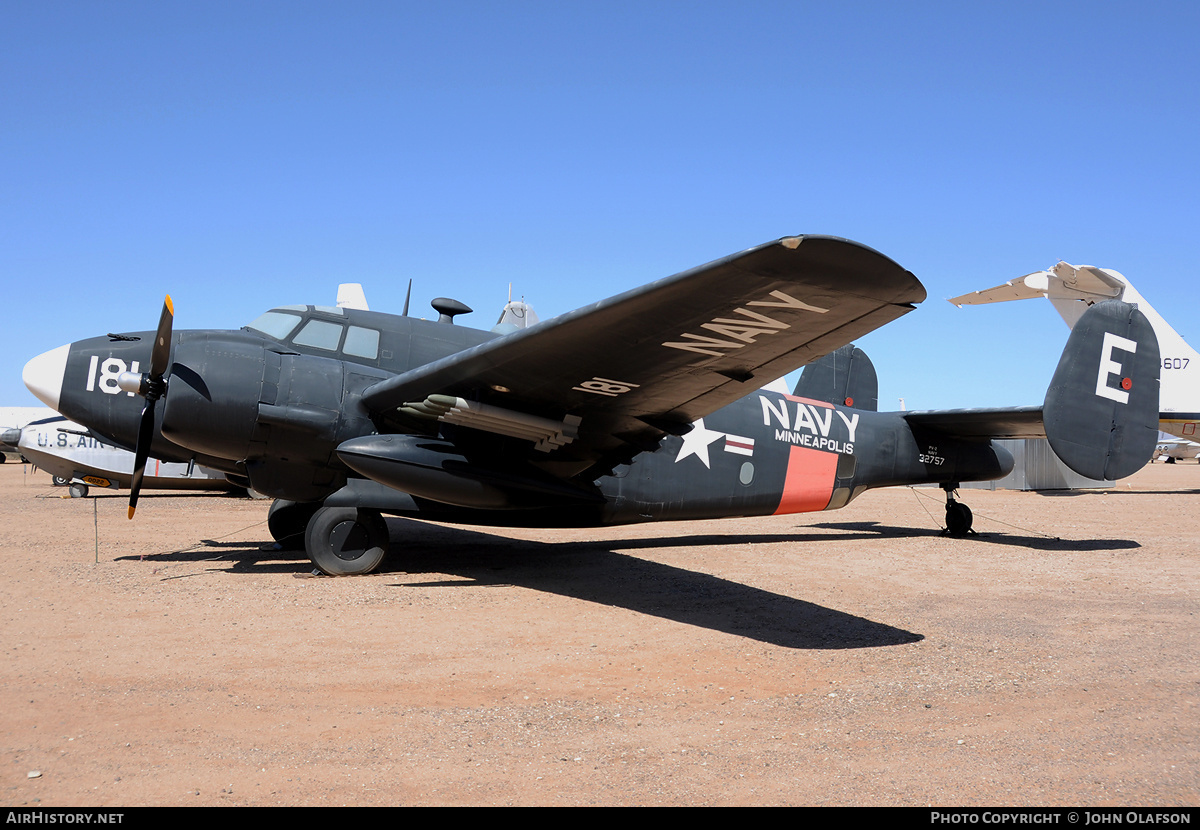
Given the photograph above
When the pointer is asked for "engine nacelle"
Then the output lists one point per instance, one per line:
(232, 396)
(215, 384)
(435, 469)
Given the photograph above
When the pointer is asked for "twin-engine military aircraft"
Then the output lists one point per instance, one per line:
(641, 407)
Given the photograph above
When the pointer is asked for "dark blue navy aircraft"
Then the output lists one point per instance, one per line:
(642, 407)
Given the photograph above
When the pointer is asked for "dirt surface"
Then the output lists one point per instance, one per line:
(850, 657)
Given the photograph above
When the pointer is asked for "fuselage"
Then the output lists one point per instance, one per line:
(770, 453)
(270, 405)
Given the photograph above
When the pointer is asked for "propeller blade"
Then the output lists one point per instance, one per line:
(145, 435)
(160, 360)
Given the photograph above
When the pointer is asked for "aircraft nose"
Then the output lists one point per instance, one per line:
(43, 375)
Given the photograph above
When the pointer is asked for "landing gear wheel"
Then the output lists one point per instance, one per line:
(958, 518)
(346, 541)
(58, 481)
(79, 491)
(288, 520)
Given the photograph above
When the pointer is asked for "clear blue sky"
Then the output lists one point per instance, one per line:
(250, 154)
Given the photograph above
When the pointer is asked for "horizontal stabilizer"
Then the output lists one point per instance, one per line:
(1022, 288)
(1063, 281)
(1007, 423)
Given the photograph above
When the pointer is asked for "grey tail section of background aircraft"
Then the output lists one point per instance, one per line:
(14, 418)
(1072, 289)
(647, 406)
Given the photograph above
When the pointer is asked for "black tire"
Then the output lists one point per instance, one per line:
(958, 519)
(288, 520)
(59, 481)
(346, 541)
(79, 491)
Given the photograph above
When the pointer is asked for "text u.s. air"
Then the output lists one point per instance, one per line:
(647, 406)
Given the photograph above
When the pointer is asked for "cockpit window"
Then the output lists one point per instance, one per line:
(275, 324)
(319, 334)
(362, 342)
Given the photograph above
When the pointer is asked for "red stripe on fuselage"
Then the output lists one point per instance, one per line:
(808, 485)
(823, 404)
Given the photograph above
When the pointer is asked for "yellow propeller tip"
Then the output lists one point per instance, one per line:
(170, 305)
(131, 509)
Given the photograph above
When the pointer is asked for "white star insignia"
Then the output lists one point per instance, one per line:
(696, 443)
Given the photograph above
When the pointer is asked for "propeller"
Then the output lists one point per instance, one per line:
(151, 386)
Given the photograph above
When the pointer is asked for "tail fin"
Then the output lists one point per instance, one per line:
(845, 377)
(516, 315)
(350, 295)
(1101, 410)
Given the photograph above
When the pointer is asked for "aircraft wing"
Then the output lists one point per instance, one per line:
(621, 373)
(1008, 422)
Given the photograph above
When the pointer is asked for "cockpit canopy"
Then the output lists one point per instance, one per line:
(312, 328)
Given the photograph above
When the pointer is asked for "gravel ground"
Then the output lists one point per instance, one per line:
(851, 657)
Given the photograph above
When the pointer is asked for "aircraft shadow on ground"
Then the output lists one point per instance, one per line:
(1059, 494)
(986, 537)
(599, 572)
(593, 571)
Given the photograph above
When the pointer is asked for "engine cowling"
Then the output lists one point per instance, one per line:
(214, 388)
(436, 469)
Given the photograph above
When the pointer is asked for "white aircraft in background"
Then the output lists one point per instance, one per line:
(1175, 448)
(1072, 289)
(73, 457)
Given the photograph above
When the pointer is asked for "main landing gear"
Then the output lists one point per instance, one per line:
(958, 515)
(340, 541)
